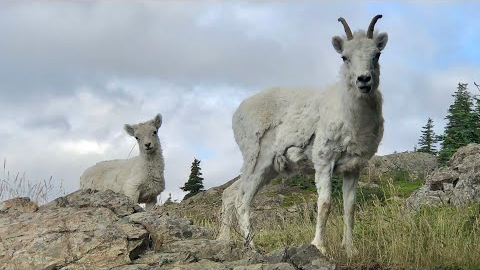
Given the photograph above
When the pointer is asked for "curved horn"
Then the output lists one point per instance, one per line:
(372, 26)
(347, 28)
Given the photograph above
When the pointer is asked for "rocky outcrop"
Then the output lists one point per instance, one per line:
(105, 230)
(417, 165)
(457, 183)
(57, 235)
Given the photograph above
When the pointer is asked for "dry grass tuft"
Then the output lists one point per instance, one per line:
(18, 186)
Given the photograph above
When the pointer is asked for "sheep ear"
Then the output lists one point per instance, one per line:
(381, 41)
(157, 121)
(129, 129)
(337, 43)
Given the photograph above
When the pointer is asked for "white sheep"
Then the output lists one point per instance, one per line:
(332, 130)
(141, 177)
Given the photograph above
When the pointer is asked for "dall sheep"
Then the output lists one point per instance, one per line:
(141, 177)
(332, 130)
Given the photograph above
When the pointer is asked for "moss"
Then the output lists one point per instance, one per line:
(405, 188)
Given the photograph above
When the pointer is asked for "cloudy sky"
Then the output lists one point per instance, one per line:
(72, 73)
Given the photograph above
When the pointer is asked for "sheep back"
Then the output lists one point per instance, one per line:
(112, 174)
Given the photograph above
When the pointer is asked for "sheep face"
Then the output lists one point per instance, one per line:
(360, 54)
(146, 134)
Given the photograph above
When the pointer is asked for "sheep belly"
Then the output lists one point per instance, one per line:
(274, 120)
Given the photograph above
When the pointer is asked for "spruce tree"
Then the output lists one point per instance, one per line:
(477, 113)
(428, 139)
(461, 128)
(194, 183)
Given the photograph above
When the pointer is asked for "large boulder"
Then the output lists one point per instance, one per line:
(74, 237)
(417, 164)
(457, 183)
(91, 229)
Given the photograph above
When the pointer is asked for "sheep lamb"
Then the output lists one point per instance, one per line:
(336, 129)
(141, 177)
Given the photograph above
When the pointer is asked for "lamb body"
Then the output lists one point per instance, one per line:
(142, 177)
(336, 129)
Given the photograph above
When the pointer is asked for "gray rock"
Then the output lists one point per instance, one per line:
(417, 164)
(102, 230)
(306, 256)
(119, 204)
(263, 266)
(215, 250)
(457, 183)
(202, 264)
(18, 205)
(440, 176)
(71, 237)
(165, 229)
(133, 267)
(160, 259)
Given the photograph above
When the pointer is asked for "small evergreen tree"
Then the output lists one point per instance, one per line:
(477, 113)
(169, 199)
(428, 139)
(461, 125)
(194, 183)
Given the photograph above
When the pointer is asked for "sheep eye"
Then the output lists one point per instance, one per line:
(344, 58)
(155, 132)
(136, 137)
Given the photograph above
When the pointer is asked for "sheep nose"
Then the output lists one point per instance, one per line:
(364, 78)
(148, 144)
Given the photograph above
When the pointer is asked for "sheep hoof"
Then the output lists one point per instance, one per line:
(351, 252)
(320, 248)
(350, 249)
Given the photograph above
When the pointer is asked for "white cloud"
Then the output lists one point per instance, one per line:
(83, 147)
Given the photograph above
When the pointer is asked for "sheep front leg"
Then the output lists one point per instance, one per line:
(132, 192)
(149, 206)
(323, 175)
(350, 181)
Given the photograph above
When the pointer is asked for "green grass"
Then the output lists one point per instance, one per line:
(405, 188)
(386, 234)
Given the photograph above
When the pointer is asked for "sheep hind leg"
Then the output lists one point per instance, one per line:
(228, 211)
(246, 192)
(350, 181)
(323, 175)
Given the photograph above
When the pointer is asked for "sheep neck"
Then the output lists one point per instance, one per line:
(153, 163)
(360, 110)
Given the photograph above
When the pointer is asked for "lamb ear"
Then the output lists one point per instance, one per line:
(129, 129)
(157, 121)
(381, 41)
(337, 43)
